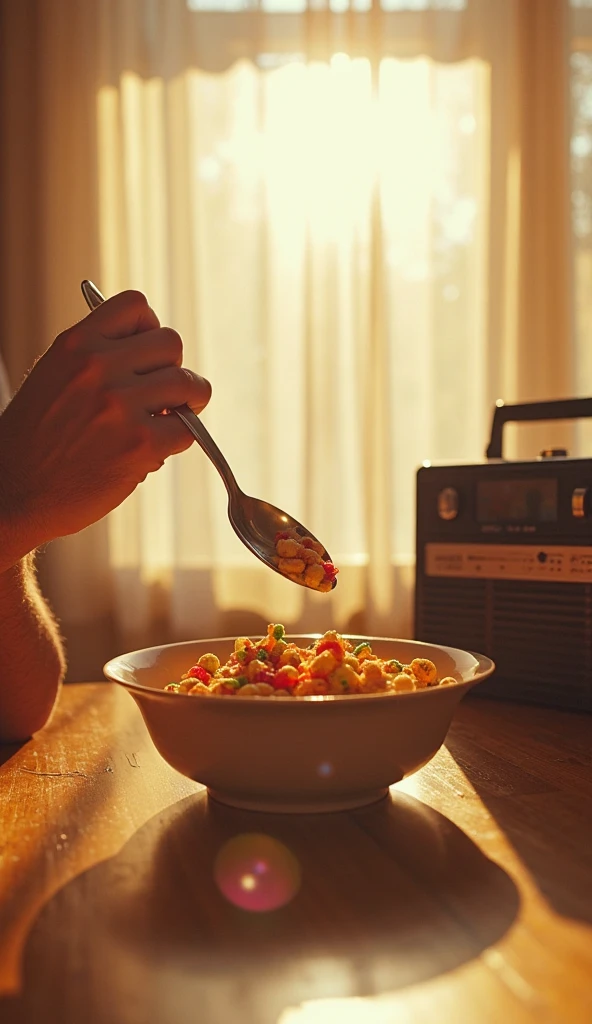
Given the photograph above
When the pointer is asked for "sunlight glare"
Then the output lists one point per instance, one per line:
(352, 1010)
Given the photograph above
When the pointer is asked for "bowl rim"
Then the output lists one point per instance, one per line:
(484, 668)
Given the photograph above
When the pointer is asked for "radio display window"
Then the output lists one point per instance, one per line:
(517, 501)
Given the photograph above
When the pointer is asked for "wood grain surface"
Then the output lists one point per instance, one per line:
(464, 897)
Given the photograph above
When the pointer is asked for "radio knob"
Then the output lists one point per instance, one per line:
(580, 502)
(448, 503)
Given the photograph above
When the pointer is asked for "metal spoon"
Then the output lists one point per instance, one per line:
(256, 522)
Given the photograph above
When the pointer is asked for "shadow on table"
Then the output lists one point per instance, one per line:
(389, 896)
(8, 750)
(541, 796)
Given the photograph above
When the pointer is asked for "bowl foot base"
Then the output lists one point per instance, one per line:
(318, 806)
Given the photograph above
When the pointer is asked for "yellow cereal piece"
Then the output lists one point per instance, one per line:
(254, 667)
(248, 690)
(240, 643)
(187, 682)
(352, 661)
(210, 662)
(373, 678)
(372, 670)
(403, 683)
(310, 556)
(312, 688)
(263, 689)
(287, 548)
(293, 566)
(344, 680)
(425, 671)
(278, 649)
(314, 575)
(323, 664)
(291, 656)
(201, 688)
(447, 681)
(377, 686)
(318, 547)
(324, 588)
(332, 637)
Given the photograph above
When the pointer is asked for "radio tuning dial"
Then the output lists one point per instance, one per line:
(448, 503)
(580, 502)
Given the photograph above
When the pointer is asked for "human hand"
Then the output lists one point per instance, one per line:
(81, 433)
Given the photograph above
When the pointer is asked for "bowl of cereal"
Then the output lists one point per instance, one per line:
(298, 724)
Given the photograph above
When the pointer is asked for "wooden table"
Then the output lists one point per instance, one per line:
(466, 897)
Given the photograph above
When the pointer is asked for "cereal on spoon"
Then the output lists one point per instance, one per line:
(275, 667)
(301, 558)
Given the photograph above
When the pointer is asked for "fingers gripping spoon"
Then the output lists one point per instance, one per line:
(254, 521)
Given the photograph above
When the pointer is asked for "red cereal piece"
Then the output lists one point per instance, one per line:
(197, 672)
(282, 535)
(280, 682)
(332, 646)
(264, 676)
(330, 570)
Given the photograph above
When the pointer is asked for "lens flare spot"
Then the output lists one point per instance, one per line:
(325, 769)
(256, 872)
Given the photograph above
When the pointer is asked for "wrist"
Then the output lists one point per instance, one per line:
(17, 526)
(16, 539)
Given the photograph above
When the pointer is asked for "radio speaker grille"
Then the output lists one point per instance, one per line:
(539, 635)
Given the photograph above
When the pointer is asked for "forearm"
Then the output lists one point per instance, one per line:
(31, 654)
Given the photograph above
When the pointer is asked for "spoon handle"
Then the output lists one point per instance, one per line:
(209, 446)
(206, 442)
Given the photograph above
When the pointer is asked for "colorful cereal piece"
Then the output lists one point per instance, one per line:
(424, 671)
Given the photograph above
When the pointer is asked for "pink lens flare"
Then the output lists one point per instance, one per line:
(257, 872)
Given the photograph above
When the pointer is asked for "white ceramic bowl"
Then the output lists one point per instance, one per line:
(296, 754)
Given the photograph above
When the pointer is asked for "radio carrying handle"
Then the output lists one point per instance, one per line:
(530, 412)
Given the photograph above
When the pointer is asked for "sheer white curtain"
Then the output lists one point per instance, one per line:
(318, 234)
(358, 219)
(305, 229)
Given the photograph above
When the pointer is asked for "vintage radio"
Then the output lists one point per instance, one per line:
(504, 563)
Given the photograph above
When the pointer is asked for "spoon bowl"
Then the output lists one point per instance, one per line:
(254, 521)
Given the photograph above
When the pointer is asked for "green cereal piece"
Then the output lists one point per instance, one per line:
(173, 687)
(234, 682)
(262, 654)
(241, 656)
(279, 632)
(362, 647)
(240, 681)
(394, 665)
